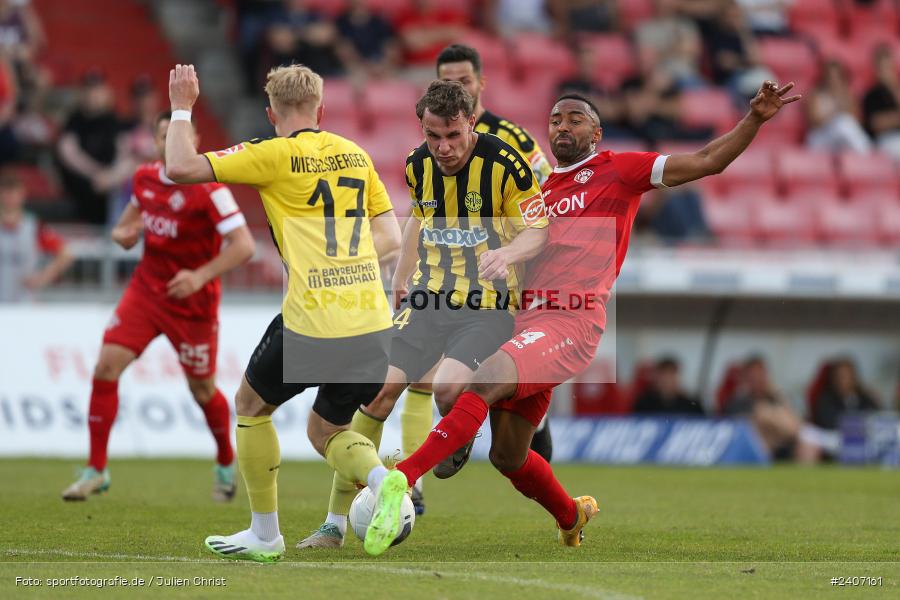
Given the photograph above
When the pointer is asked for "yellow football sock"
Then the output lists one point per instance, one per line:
(343, 491)
(416, 420)
(352, 455)
(258, 459)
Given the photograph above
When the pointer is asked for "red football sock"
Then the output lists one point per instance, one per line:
(449, 435)
(101, 416)
(218, 417)
(535, 479)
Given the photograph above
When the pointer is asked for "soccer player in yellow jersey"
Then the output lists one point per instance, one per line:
(332, 220)
(462, 63)
(478, 214)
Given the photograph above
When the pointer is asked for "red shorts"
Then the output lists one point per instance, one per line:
(139, 319)
(549, 349)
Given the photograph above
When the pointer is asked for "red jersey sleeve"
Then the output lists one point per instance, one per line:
(49, 241)
(222, 208)
(640, 171)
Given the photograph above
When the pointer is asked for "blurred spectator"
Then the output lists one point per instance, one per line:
(733, 53)
(425, 29)
(671, 43)
(653, 109)
(9, 145)
(881, 105)
(253, 17)
(296, 34)
(665, 394)
(21, 38)
(141, 125)
(767, 17)
(832, 116)
(583, 16)
(368, 40)
(23, 241)
(508, 17)
(92, 151)
(674, 214)
(843, 393)
(584, 81)
(778, 425)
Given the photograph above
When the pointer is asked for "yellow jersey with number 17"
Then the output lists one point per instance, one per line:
(319, 191)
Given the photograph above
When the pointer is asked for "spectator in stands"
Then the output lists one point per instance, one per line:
(733, 54)
(21, 38)
(843, 393)
(368, 42)
(665, 394)
(508, 17)
(832, 115)
(92, 151)
(674, 214)
(881, 105)
(609, 104)
(9, 144)
(757, 399)
(767, 17)
(672, 44)
(583, 16)
(425, 29)
(296, 34)
(253, 18)
(653, 108)
(141, 125)
(23, 241)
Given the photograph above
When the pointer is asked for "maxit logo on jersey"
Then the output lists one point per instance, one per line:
(456, 237)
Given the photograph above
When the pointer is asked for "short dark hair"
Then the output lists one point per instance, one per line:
(10, 179)
(582, 98)
(459, 53)
(446, 99)
(667, 363)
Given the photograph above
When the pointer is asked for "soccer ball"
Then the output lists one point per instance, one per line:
(361, 515)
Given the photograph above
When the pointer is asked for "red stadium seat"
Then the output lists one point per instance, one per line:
(389, 8)
(535, 55)
(753, 167)
(790, 59)
(708, 108)
(390, 102)
(888, 223)
(341, 99)
(634, 12)
(614, 58)
(729, 217)
(805, 15)
(329, 7)
(494, 53)
(782, 223)
(882, 16)
(861, 173)
(798, 169)
(841, 222)
(38, 186)
(507, 98)
(618, 145)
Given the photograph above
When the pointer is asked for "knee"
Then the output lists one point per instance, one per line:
(505, 461)
(202, 390)
(445, 395)
(106, 370)
(248, 404)
(384, 402)
(492, 381)
(320, 434)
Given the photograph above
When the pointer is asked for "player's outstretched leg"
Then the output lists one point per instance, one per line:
(218, 418)
(330, 534)
(385, 523)
(416, 419)
(102, 410)
(259, 458)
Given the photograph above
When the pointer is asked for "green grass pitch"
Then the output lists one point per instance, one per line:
(662, 533)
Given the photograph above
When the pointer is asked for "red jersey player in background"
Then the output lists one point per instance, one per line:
(175, 292)
(591, 199)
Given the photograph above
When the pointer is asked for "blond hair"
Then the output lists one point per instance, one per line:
(294, 87)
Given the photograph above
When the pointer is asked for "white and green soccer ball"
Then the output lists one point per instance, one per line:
(361, 515)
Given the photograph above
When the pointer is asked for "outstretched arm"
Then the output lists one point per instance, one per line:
(719, 153)
(183, 163)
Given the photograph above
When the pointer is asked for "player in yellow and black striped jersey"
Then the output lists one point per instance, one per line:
(332, 221)
(478, 212)
(463, 64)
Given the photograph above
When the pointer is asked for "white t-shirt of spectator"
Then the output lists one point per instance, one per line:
(522, 15)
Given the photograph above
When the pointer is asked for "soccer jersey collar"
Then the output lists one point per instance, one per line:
(575, 166)
(305, 130)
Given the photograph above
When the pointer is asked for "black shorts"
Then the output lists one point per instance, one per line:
(348, 371)
(427, 327)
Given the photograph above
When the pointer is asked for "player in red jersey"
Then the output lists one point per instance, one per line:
(591, 200)
(175, 292)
